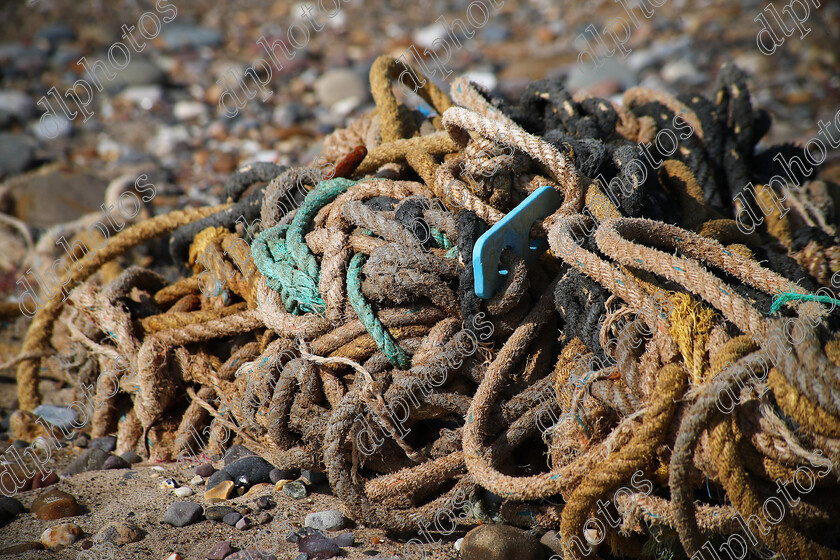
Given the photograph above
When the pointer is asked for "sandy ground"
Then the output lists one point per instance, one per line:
(134, 495)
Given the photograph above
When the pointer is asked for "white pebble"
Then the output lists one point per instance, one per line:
(183, 491)
(197, 479)
(157, 468)
(458, 544)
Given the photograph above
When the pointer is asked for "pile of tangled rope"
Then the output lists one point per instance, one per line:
(357, 288)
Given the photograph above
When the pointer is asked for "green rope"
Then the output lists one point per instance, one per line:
(324, 193)
(282, 256)
(443, 241)
(780, 299)
(298, 291)
(440, 237)
(374, 326)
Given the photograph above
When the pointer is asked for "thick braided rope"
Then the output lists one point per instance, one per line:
(323, 194)
(298, 290)
(612, 239)
(384, 341)
(438, 143)
(459, 122)
(818, 380)
(636, 454)
(274, 315)
(636, 96)
(696, 420)
(741, 491)
(40, 330)
(352, 493)
(465, 94)
(564, 244)
(475, 451)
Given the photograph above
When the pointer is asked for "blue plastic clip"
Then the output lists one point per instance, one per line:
(512, 231)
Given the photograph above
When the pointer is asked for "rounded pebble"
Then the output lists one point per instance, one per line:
(54, 504)
(500, 542)
(115, 462)
(218, 513)
(219, 551)
(119, 533)
(61, 535)
(295, 489)
(329, 520)
(345, 539)
(181, 514)
(232, 518)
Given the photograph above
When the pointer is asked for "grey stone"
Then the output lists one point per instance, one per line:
(610, 70)
(90, 460)
(244, 524)
(115, 462)
(181, 514)
(345, 539)
(329, 520)
(218, 513)
(220, 551)
(205, 470)
(29, 60)
(341, 84)
(106, 443)
(61, 417)
(144, 96)
(16, 153)
(276, 475)
(236, 452)
(495, 33)
(318, 547)
(52, 127)
(17, 105)
(249, 471)
(426, 36)
(138, 72)
(132, 457)
(55, 33)
(187, 110)
(232, 518)
(500, 542)
(179, 36)
(65, 54)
